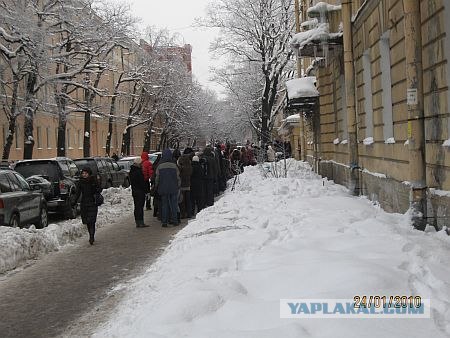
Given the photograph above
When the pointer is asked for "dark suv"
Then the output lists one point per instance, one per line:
(63, 175)
(108, 171)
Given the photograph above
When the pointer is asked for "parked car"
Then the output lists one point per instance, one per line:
(63, 175)
(20, 203)
(108, 171)
(126, 162)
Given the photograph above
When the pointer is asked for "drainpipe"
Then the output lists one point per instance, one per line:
(299, 74)
(350, 96)
(416, 128)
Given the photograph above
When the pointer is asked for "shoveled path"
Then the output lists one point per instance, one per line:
(50, 297)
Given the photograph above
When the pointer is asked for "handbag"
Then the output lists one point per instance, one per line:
(98, 199)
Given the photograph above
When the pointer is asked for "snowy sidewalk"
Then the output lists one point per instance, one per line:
(54, 292)
(275, 238)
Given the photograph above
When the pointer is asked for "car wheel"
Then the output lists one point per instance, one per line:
(126, 183)
(14, 222)
(43, 218)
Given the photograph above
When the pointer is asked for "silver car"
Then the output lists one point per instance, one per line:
(20, 203)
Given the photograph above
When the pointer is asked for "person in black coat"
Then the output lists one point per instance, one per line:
(138, 191)
(88, 188)
(197, 180)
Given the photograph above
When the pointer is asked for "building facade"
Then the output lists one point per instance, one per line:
(382, 124)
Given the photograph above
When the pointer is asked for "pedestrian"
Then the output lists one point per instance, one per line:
(147, 170)
(168, 185)
(211, 173)
(88, 188)
(138, 190)
(185, 167)
(197, 180)
(270, 154)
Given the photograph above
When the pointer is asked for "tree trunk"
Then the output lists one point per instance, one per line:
(110, 124)
(126, 138)
(148, 137)
(61, 151)
(87, 133)
(30, 109)
(12, 122)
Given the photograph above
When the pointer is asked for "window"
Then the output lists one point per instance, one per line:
(17, 137)
(15, 185)
(39, 137)
(368, 108)
(343, 125)
(4, 184)
(49, 145)
(385, 62)
(24, 185)
(73, 169)
(65, 168)
(68, 140)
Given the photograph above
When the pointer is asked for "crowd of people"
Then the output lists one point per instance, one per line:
(178, 184)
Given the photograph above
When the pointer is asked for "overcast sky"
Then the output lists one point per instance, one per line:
(178, 16)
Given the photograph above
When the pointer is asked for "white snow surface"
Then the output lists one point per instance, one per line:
(368, 141)
(321, 8)
(224, 274)
(19, 245)
(321, 32)
(336, 141)
(293, 118)
(446, 143)
(390, 140)
(302, 87)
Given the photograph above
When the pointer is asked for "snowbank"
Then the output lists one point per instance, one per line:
(19, 245)
(275, 238)
(302, 87)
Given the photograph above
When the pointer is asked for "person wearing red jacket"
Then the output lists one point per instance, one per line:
(147, 170)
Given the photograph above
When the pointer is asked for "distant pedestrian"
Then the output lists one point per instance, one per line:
(197, 181)
(88, 188)
(147, 170)
(138, 191)
(185, 167)
(115, 157)
(168, 186)
(270, 154)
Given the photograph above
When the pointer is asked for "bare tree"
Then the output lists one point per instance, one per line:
(256, 31)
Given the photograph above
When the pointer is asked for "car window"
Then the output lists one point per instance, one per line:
(73, 168)
(22, 182)
(46, 169)
(100, 165)
(64, 167)
(109, 164)
(4, 184)
(83, 163)
(14, 182)
(115, 166)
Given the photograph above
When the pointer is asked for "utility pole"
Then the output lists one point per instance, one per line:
(416, 129)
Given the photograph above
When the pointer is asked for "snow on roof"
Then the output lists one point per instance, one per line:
(321, 8)
(309, 24)
(293, 118)
(321, 32)
(302, 87)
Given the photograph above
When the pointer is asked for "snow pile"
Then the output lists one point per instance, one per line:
(368, 141)
(295, 118)
(275, 238)
(446, 143)
(302, 87)
(301, 39)
(390, 140)
(321, 8)
(19, 245)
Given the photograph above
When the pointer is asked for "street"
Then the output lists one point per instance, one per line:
(49, 297)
